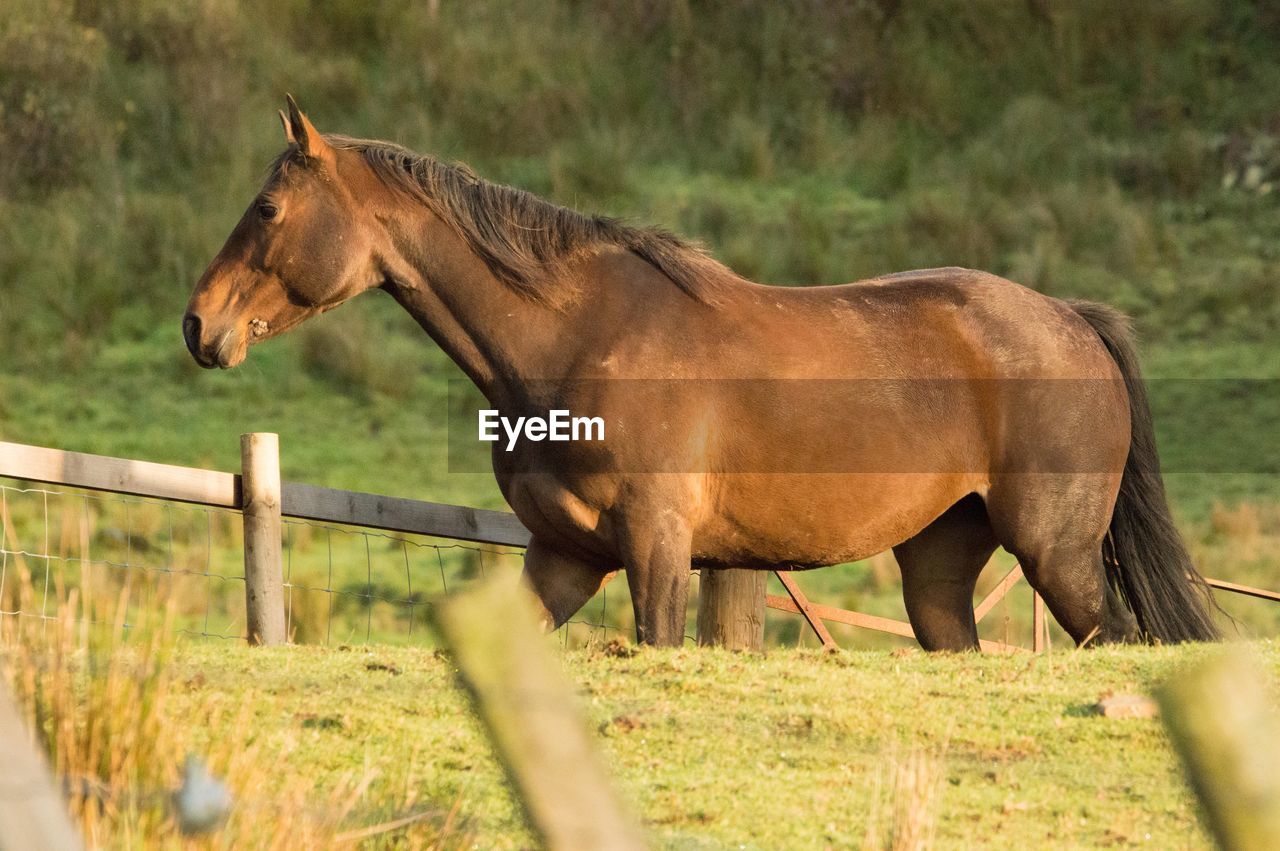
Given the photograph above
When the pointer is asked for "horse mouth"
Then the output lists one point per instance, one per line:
(230, 351)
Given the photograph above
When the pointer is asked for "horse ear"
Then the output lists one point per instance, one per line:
(304, 134)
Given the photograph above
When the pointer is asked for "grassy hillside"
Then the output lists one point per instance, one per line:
(794, 749)
(1124, 152)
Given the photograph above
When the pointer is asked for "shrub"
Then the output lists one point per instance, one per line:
(54, 126)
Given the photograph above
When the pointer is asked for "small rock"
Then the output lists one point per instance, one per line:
(1127, 706)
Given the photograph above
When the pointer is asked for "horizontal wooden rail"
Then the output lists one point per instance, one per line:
(222, 490)
(397, 514)
(830, 613)
(872, 622)
(1247, 590)
(119, 475)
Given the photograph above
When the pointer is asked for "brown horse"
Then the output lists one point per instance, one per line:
(941, 413)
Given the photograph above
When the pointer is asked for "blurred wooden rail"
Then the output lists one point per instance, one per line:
(455, 522)
(1247, 590)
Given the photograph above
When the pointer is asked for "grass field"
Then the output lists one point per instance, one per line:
(1124, 152)
(791, 749)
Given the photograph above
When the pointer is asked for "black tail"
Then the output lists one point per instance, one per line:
(1148, 564)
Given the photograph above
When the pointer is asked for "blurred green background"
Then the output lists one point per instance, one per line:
(1122, 151)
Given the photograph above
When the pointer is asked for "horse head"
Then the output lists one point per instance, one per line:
(302, 247)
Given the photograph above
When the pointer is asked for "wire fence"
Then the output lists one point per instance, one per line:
(134, 560)
(99, 545)
(342, 581)
(343, 585)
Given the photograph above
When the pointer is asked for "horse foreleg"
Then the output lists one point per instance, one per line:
(657, 558)
(563, 584)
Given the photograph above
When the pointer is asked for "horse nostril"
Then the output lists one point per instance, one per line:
(191, 334)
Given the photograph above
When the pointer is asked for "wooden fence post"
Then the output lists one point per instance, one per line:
(535, 721)
(731, 608)
(1038, 624)
(1220, 715)
(260, 505)
(33, 814)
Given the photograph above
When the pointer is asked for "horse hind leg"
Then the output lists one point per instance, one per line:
(1071, 578)
(940, 567)
(1055, 530)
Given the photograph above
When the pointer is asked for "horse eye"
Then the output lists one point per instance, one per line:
(267, 211)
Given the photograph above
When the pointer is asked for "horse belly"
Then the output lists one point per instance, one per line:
(812, 520)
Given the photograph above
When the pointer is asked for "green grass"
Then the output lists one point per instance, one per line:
(726, 750)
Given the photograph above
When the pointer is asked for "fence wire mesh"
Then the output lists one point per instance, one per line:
(132, 558)
(343, 585)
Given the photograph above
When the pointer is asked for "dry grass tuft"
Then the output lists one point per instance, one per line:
(904, 809)
(1242, 523)
(97, 696)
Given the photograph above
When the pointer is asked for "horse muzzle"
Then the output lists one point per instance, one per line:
(221, 348)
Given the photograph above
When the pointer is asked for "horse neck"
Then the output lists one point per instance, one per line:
(497, 336)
